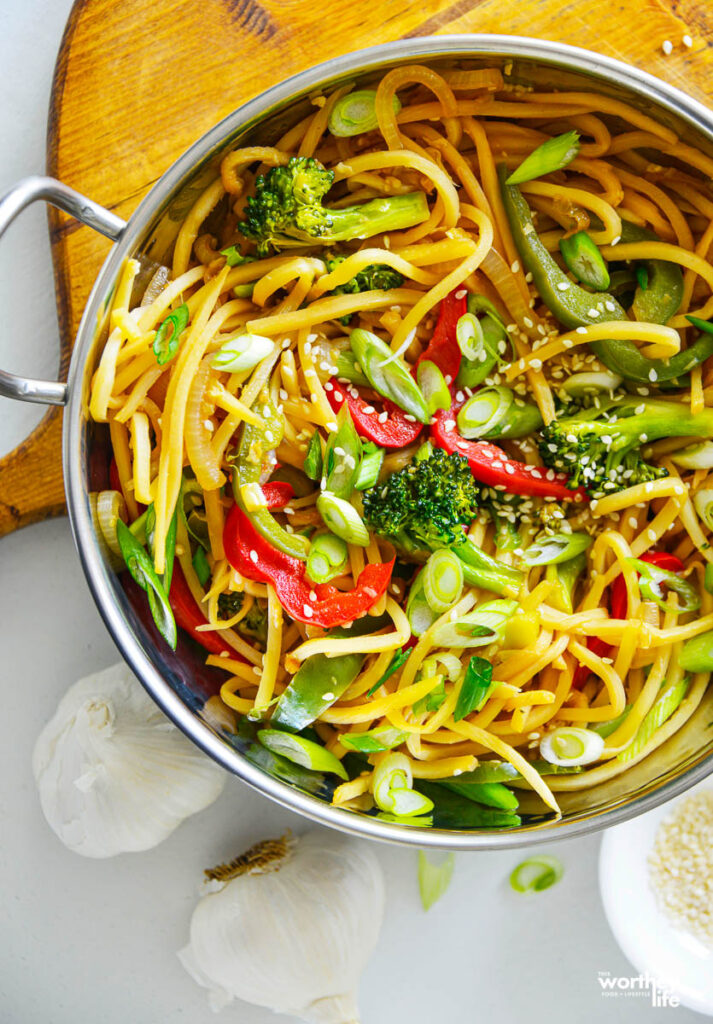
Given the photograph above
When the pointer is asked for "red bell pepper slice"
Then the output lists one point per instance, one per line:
(491, 465)
(395, 432)
(320, 604)
(443, 348)
(619, 608)
(619, 602)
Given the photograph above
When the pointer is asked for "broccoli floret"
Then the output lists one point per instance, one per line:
(375, 277)
(253, 625)
(287, 210)
(425, 505)
(599, 449)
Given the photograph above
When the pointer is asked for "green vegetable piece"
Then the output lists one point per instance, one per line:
(496, 412)
(582, 385)
(708, 577)
(583, 258)
(418, 611)
(702, 325)
(302, 751)
(536, 874)
(442, 580)
(397, 662)
(571, 304)
(652, 578)
(494, 343)
(388, 374)
(698, 455)
(342, 519)
(312, 465)
(168, 335)
(491, 794)
(374, 277)
(480, 570)
(565, 575)
(484, 625)
(355, 113)
(642, 276)
(432, 701)
(327, 557)
(234, 257)
(451, 810)
(318, 683)
(242, 352)
(571, 745)
(392, 788)
(697, 653)
(550, 156)
(434, 879)
(469, 335)
(489, 771)
(556, 547)
(475, 689)
(170, 550)
(375, 741)
(142, 571)
(433, 385)
(342, 459)
(287, 210)
(349, 369)
(372, 460)
(201, 566)
(605, 729)
(661, 711)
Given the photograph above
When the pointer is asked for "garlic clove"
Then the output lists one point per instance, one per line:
(113, 774)
(292, 927)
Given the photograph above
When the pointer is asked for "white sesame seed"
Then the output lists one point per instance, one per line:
(593, 312)
(527, 321)
(653, 375)
(383, 417)
(307, 611)
(253, 556)
(667, 46)
(581, 330)
(687, 42)
(461, 293)
(328, 696)
(563, 285)
(515, 266)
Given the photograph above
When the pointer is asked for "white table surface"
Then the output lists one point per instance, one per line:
(95, 941)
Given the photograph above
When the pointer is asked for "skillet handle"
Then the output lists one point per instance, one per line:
(22, 195)
(31, 486)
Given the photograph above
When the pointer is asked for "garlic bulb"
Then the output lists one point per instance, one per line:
(114, 775)
(291, 927)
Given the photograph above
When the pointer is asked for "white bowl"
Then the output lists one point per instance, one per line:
(671, 960)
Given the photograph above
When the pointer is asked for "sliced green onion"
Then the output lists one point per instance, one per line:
(349, 369)
(327, 557)
(697, 653)
(661, 711)
(490, 350)
(433, 385)
(491, 794)
(469, 335)
(434, 879)
(372, 459)
(642, 276)
(551, 156)
(581, 385)
(398, 660)
(708, 577)
(234, 257)
(652, 579)
(484, 625)
(584, 259)
(375, 741)
(556, 548)
(201, 566)
(484, 411)
(388, 374)
(418, 611)
(442, 580)
(243, 352)
(569, 745)
(107, 508)
(392, 787)
(536, 874)
(355, 113)
(476, 687)
(702, 325)
(302, 751)
(312, 465)
(343, 519)
(703, 500)
(433, 699)
(694, 456)
(168, 335)
(565, 575)
(342, 458)
(451, 663)
(139, 565)
(170, 550)
(244, 291)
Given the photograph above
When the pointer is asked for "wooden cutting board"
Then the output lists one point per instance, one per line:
(137, 81)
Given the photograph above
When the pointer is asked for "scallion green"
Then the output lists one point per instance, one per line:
(536, 874)
(168, 335)
(551, 156)
(556, 547)
(442, 580)
(434, 879)
(584, 259)
(355, 113)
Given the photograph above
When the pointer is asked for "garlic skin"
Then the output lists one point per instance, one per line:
(113, 774)
(294, 938)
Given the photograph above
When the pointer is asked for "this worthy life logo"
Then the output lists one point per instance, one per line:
(638, 985)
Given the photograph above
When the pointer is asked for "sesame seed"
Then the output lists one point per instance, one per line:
(527, 321)
(383, 417)
(460, 396)
(332, 425)
(307, 611)
(328, 386)
(328, 696)
(253, 556)
(687, 42)
(653, 375)
(615, 241)
(311, 337)
(369, 410)
(450, 424)
(667, 46)
(563, 285)
(461, 293)
(409, 417)
(581, 330)
(308, 347)
(515, 266)
(593, 312)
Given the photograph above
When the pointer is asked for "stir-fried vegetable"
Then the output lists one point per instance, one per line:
(536, 874)
(168, 335)
(302, 751)
(550, 156)
(355, 113)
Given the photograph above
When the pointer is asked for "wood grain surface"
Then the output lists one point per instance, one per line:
(137, 81)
